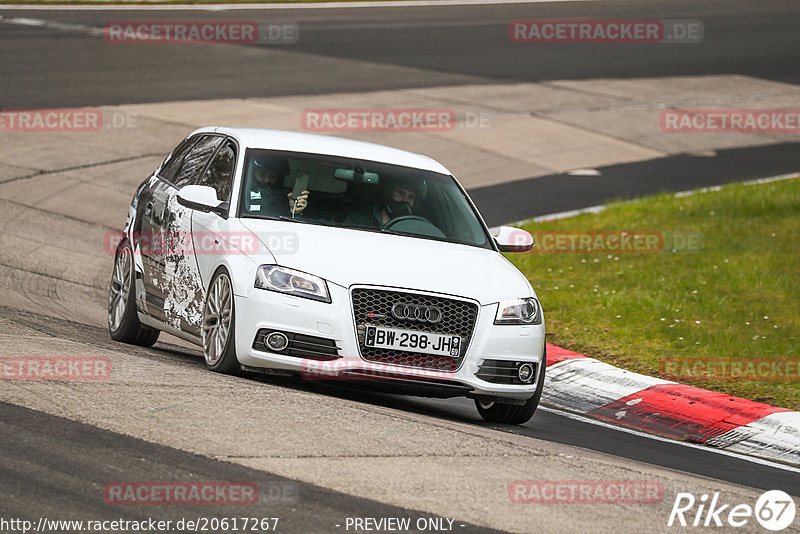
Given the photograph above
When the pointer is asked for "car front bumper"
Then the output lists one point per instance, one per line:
(262, 309)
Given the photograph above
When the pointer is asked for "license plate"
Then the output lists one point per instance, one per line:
(413, 341)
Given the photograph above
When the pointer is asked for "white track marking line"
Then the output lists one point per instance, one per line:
(60, 26)
(566, 214)
(758, 181)
(747, 458)
(599, 208)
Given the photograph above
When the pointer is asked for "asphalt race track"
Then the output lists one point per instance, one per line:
(423, 46)
(79, 458)
(335, 453)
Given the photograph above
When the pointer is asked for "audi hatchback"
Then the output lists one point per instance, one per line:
(331, 259)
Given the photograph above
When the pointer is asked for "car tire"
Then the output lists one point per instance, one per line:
(513, 414)
(123, 321)
(219, 326)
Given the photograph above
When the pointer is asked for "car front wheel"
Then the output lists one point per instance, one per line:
(219, 320)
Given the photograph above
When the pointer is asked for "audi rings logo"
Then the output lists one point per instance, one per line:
(411, 312)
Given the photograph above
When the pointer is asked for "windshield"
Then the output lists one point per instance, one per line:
(363, 195)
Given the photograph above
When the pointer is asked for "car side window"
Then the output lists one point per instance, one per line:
(220, 172)
(195, 161)
(173, 163)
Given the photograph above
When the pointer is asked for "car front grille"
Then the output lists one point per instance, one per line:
(373, 307)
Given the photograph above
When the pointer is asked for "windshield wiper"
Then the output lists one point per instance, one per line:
(366, 227)
(303, 221)
(395, 232)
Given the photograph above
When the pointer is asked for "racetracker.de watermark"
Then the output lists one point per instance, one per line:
(614, 241)
(161, 244)
(212, 493)
(606, 31)
(200, 32)
(57, 368)
(378, 120)
(64, 120)
(781, 370)
(356, 369)
(585, 492)
(730, 121)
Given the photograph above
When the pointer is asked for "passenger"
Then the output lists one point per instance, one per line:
(266, 195)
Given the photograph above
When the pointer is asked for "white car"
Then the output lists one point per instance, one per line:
(333, 259)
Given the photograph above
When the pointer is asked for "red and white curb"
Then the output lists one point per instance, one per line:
(596, 389)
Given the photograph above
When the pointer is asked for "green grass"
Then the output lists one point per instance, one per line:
(738, 297)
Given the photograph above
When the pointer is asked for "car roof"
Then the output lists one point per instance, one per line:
(327, 145)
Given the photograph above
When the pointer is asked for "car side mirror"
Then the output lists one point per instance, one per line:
(202, 198)
(510, 239)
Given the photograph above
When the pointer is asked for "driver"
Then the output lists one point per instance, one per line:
(266, 193)
(398, 201)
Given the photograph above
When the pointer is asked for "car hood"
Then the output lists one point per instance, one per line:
(354, 257)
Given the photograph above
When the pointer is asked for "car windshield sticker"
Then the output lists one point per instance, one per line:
(255, 195)
(255, 207)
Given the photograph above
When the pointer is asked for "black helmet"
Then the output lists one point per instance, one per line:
(419, 187)
(395, 208)
(280, 165)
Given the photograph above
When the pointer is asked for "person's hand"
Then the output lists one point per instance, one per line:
(297, 206)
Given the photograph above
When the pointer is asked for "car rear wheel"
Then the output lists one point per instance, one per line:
(123, 322)
(513, 414)
(219, 321)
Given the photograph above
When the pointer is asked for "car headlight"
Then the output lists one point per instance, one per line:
(292, 282)
(519, 311)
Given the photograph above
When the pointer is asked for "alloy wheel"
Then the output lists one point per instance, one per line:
(217, 319)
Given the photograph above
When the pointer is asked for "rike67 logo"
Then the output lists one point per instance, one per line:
(774, 510)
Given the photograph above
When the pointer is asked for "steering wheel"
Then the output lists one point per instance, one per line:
(414, 224)
(402, 218)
